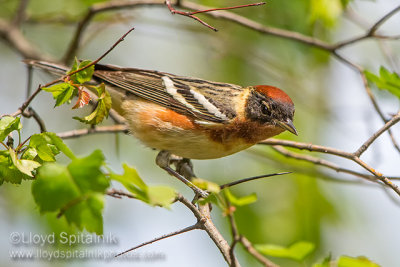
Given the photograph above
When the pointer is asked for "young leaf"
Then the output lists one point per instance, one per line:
(46, 146)
(7, 125)
(206, 185)
(62, 92)
(76, 191)
(23, 165)
(161, 196)
(54, 187)
(8, 172)
(153, 195)
(345, 261)
(240, 201)
(298, 251)
(131, 180)
(83, 99)
(386, 81)
(58, 142)
(102, 108)
(83, 75)
(87, 173)
(326, 11)
(29, 153)
(87, 214)
(41, 144)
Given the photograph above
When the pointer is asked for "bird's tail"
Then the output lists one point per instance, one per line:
(48, 66)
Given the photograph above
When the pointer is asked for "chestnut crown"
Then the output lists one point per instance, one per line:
(270, 105)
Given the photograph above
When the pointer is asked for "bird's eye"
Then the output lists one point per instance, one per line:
(265, 108)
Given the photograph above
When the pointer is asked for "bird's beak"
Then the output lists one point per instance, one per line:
(288, 125)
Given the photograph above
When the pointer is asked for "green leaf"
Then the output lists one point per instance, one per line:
(46, 146)
(59, 143)
(326, 11)
(75, 191)
(29, 153)
(62, 92)
(87, 214)
(83, 75)
(87, 173)
(7, 125)
(9, 173)
(102, 108)
(298, 251)
(153, 195)
(23, 165)
(131, 180)
(346, 261)
(74, 65)
(206, 185)
(387, 80)
(40, 142)
(241, 201)
(161, 196)
(54, 187)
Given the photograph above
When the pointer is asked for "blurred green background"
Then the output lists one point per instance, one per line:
(332, 109)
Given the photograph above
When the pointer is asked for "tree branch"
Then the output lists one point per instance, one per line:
(216, 236)
(20, 14)
(117, 128)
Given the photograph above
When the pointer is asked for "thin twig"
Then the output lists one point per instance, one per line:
(375, 27)
(321, 162)
(32, 113)
(226, 8)
(103, 55)
(309, 147)
(377, 108)
(96, 9)
(257, 255)
(184, 230)
(251, 179)
(328, 150)
(243, 21)
(370, 140)
(191, 14)
(27, 102)
(119, 193)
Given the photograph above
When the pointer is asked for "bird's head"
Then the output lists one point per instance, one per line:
(270, 105)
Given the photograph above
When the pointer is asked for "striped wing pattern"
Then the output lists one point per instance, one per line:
(204, 100)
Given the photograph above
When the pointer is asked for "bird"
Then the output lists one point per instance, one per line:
(190, 117)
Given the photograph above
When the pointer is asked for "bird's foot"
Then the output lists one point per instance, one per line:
(184, 170)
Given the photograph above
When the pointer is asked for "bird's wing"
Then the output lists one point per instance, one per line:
(203, 100)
